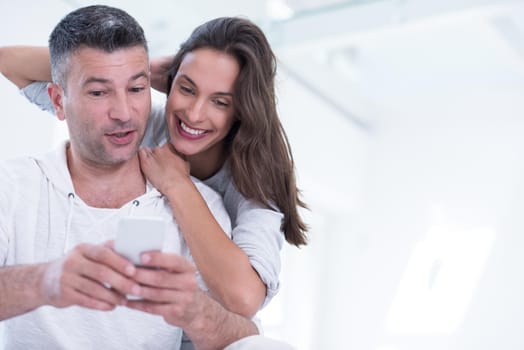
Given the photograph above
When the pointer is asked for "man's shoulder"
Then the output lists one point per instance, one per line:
(19, 164)
(19, 168)
(19, 174)
(35, 164)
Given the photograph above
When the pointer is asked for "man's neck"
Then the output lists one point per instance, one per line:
(106, 186)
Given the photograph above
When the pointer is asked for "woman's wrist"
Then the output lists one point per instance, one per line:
(178, 188)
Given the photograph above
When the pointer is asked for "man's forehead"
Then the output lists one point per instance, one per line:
(95, 50)
(126, 63)
(135, 53)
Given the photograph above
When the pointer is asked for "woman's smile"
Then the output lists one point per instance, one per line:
(186, 130)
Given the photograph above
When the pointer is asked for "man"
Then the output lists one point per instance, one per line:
(61, 284)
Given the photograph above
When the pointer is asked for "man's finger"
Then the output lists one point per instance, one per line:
(167, 261)
(102, 254)
(159, 278)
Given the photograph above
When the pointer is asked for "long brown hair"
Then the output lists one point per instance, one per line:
(260, 157)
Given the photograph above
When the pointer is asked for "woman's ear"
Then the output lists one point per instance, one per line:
(56, 94)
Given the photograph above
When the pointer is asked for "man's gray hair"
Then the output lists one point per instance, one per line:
(99, 27)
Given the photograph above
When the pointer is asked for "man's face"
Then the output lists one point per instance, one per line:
(106, 104)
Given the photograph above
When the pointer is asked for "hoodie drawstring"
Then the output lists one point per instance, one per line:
(135, 204)
(71, 197)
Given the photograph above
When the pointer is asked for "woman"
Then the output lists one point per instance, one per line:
(224, 129)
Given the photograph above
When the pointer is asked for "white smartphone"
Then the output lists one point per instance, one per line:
(137, 234)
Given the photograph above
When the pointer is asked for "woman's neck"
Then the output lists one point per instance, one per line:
(206, 164)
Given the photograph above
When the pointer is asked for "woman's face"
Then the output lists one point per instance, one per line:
(200, 105)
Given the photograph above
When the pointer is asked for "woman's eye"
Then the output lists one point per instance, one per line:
(221, 103)
(186, 89)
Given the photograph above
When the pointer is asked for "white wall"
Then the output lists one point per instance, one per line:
(425, 253)
(26, 129)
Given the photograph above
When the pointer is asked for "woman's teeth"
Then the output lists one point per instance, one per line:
(189, 130)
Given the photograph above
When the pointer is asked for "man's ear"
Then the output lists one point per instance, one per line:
(56, 94)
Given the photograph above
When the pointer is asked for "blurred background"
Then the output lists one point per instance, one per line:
(406, 122)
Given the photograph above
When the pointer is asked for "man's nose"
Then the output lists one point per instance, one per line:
(120, 108)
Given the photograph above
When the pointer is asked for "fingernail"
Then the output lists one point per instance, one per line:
(130, 270)
(146, 258)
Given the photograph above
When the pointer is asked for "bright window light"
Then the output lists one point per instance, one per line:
(279, 10)
(439, 281)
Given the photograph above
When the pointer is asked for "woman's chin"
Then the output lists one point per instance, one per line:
(186, 151)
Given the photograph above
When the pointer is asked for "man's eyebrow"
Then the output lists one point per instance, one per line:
(142, 74)
(90, 80)
(96, 80)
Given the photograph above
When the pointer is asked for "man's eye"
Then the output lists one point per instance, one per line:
(137, 89)
(96, 93)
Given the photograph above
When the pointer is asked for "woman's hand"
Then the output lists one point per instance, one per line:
(163, 166)
(159, 68)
